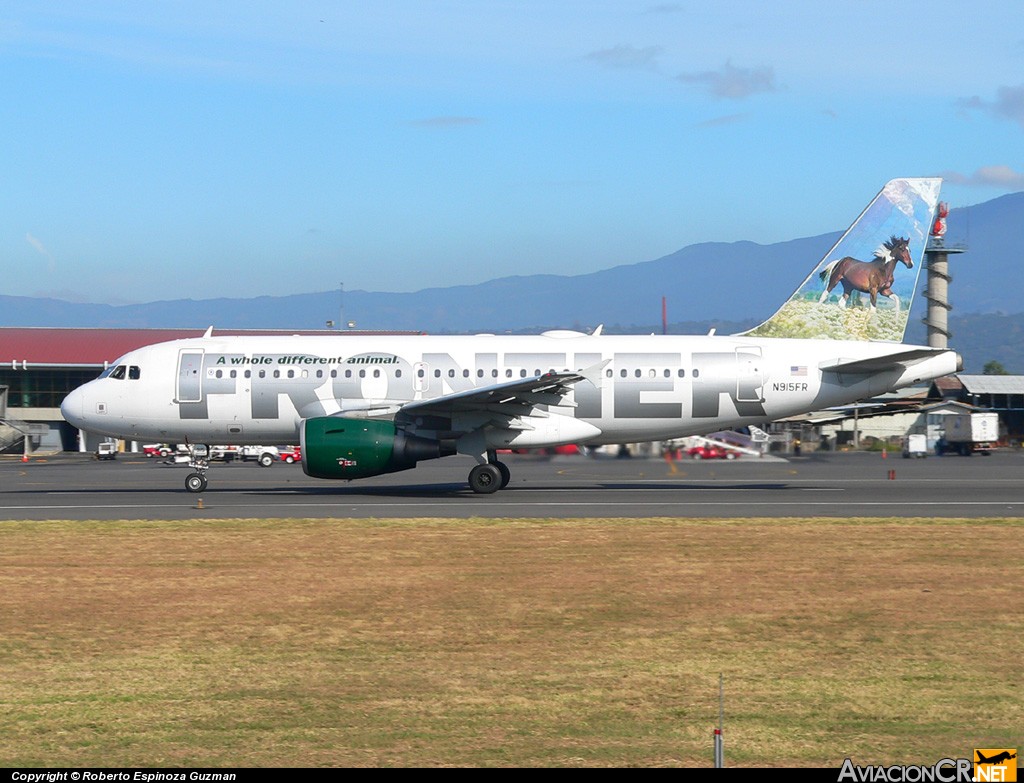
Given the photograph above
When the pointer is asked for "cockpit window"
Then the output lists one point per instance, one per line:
(133, 373)
(118, 372)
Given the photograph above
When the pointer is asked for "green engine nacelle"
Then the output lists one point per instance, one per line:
(337, 448)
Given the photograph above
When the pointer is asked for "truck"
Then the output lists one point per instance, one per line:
(969, 433)
(915, 445)
(106, 449)
(264, 455)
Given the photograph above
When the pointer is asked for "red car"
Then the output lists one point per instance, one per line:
(710, 452)
(291, 454)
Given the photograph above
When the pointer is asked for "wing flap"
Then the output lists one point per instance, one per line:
(510, 398)
(524, 405)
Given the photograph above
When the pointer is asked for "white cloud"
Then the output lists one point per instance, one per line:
(728, 119)
(628, 57)
(732, 82)
(987, 177)
(1008, 105)
(40, 248)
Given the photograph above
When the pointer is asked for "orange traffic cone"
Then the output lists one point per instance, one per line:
(24, 457)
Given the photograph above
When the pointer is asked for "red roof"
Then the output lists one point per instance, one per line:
(91, 347)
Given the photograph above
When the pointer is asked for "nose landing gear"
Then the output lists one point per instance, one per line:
(199, 461)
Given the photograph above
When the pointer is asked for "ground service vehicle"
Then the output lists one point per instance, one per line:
(710, 451)
(264, 455)
(291, 454)
(970, 433)
(915, 445)
(106, 450)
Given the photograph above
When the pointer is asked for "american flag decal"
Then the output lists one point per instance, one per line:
(798, 371)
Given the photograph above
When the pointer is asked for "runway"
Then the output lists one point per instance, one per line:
(819, 485)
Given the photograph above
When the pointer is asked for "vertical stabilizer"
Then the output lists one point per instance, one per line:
(864, 286)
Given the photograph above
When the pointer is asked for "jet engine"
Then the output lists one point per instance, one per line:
(339, 448)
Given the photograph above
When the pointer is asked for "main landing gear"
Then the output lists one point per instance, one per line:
(489, 476)
(199, 461)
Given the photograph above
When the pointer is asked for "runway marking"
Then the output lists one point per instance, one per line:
(419, 503)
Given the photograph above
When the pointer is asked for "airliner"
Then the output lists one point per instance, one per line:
(366, 405)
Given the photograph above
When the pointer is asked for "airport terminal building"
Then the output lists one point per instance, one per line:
(40, 366)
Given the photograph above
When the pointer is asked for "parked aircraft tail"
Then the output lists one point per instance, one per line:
(864, 286)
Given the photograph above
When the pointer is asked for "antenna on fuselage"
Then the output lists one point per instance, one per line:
(209, 332)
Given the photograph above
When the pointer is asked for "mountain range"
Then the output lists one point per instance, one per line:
(727, 285)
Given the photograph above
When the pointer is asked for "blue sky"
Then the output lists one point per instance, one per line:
(163, 150)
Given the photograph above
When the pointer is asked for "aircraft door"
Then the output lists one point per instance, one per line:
(749, 374)
(190, 367)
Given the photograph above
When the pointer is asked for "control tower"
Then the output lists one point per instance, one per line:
(936, 259)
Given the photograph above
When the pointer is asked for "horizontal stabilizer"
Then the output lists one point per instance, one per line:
(875, 364)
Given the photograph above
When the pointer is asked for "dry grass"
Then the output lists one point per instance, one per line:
(586, 642)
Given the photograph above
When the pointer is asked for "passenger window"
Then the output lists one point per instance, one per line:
(419, 373)
(277, 373)
(622, 373)
(398, 373)
(291, 373)
(219, 374)
(636, 373)
(334, 373)
(479, 373)
(234, 373)
(133, 373)
(608, 373)
(682, 373)
(437, 373)
(668, 373)
(508, 373)
(494, 373)
(263, 373)
(522, 373)
(376, 373)
(451, 373)
(248, 373)
(696, 373)
(362, 373)
(465, 373)
(348, 373)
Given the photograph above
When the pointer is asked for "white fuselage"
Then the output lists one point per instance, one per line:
(240, 390)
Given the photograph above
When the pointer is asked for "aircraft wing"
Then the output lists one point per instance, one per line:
(512, 398)
(892, 361)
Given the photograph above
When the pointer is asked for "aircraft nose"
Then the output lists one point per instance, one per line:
(73, 407)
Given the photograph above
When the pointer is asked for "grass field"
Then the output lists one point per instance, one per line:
(560, 643)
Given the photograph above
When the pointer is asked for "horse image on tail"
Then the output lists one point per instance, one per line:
(871, 277)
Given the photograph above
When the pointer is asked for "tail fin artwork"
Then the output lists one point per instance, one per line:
(864, 286)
